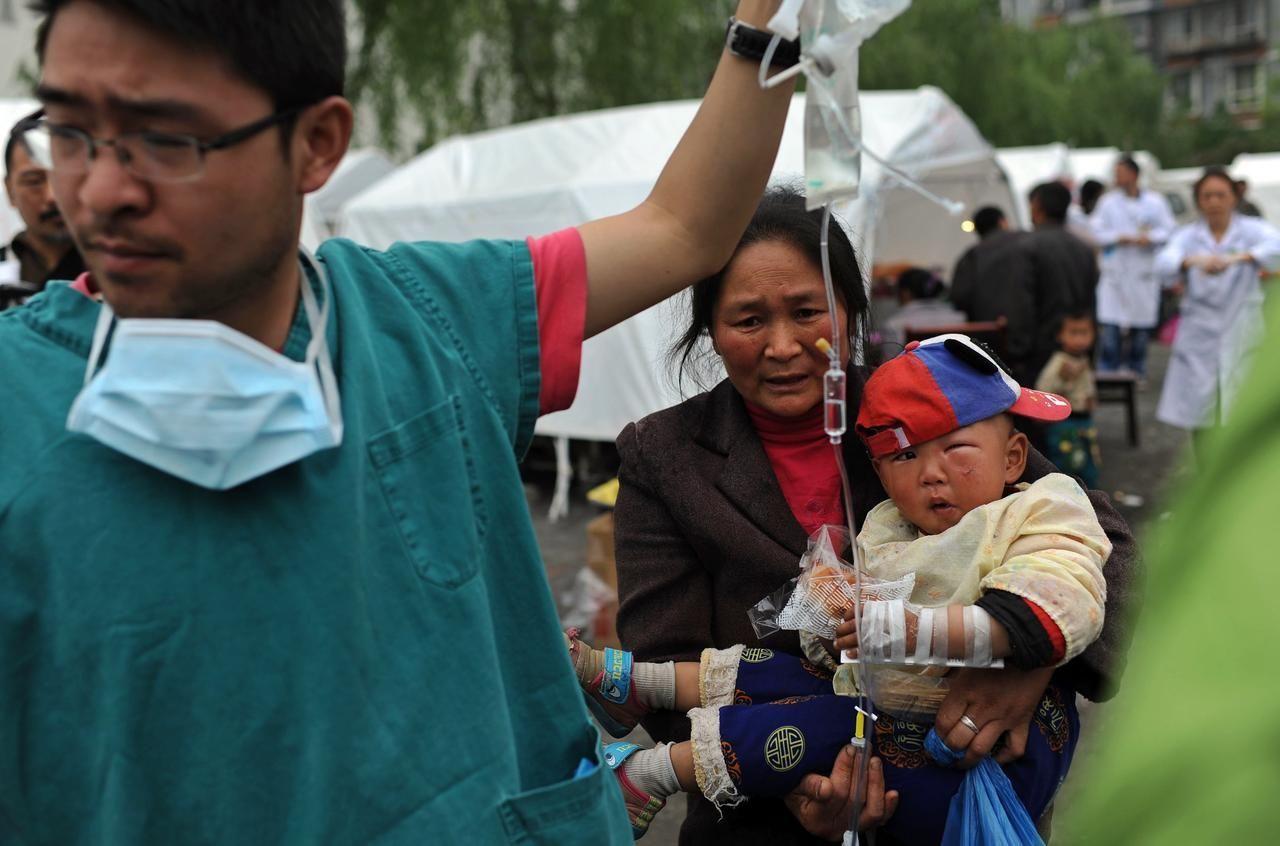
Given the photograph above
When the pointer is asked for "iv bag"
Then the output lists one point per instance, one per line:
(831, 33)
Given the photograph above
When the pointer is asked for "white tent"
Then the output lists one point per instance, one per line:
(1100, 163)
(1028, 167)
(11, 111)
(1262, 170)
(1176, 184)
(358, 170)
(545, 175)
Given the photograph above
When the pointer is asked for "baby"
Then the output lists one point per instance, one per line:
(1001, 572)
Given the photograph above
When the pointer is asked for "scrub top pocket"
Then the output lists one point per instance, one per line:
(577, 811)
(426, 472)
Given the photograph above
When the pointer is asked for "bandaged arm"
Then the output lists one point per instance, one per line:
(1055, 561)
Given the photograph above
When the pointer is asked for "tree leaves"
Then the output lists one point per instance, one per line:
(439, 67)
(432, 68)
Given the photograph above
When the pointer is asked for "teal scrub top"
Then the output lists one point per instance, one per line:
(357, 648)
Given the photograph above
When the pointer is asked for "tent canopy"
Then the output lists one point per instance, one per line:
(12, 111)
(1100, 163)
(549, 174)
(1262, 170)
(358, 170)
(1028, 167)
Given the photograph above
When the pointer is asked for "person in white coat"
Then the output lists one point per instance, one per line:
(1129, 225)
(1221, 258)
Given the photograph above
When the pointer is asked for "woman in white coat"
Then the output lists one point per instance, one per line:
(1221, 258)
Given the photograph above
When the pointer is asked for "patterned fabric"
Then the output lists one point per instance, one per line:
(1073, 448)
(767, 747)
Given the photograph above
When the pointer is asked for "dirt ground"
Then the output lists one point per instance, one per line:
(1138, 479)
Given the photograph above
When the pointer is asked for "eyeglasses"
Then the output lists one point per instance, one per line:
(152, 156)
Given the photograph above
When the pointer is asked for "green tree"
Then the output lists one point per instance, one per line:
(448, 67)
(1082, 85)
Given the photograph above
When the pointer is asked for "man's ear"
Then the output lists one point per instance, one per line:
(320, 140)
(1016, 451)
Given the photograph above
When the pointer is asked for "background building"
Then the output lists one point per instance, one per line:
(1213, 53)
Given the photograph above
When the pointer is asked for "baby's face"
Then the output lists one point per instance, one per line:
(938, 482)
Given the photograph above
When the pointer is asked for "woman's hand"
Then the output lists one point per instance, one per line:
(823, 805)
(995, 701)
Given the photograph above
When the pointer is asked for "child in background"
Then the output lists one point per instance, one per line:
(1002, 571)
(1072, 444)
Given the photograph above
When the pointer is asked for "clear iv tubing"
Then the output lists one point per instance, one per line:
(835, 418)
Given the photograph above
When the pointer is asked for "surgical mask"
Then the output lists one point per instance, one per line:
(203, 402)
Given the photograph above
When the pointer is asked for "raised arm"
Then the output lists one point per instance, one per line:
(688, 226)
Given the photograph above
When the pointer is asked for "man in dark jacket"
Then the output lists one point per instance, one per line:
(1065, 269)
(993, 280)
(1030, 279)
(43, 251)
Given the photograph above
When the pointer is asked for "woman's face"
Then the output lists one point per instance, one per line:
(771, 312)
(1216, 199)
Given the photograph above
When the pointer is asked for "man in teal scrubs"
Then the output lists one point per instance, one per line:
(336, 630)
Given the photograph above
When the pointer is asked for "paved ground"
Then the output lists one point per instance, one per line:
(1138, 478)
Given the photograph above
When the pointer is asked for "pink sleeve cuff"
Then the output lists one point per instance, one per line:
(84, 284)
(560, 286)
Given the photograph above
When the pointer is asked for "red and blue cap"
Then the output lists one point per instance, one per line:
(940, 385)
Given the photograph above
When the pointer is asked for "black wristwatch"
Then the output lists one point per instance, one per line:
(751, 43)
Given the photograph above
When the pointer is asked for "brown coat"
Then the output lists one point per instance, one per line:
(703, 532)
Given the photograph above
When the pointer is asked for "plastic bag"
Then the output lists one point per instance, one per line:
(985, 810)
(815, 600)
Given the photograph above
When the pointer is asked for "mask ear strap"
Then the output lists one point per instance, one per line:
(105, 318)
(318, 349)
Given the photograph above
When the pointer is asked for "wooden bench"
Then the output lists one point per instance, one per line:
(1122, 388)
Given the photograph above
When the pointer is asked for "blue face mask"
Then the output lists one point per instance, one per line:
(202, 402)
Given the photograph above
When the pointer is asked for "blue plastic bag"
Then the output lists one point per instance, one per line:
(985, 810)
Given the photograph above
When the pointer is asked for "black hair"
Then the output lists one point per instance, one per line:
(921, 284)
(1213, 172)
(294, 50)
(1072, 314)
(780, 217)
(987, 220)
(1090, 192)
(1129, 162)
(9, 146)
(1054, 199)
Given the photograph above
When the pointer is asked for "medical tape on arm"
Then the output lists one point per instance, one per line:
(977, 636)
(924, 636)
(883, 633)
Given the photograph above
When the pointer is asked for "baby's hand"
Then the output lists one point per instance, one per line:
(847, 632)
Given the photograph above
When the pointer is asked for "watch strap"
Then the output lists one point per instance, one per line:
(750, 43)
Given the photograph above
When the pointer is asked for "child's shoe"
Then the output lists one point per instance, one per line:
(641, 807)
(609, 692)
